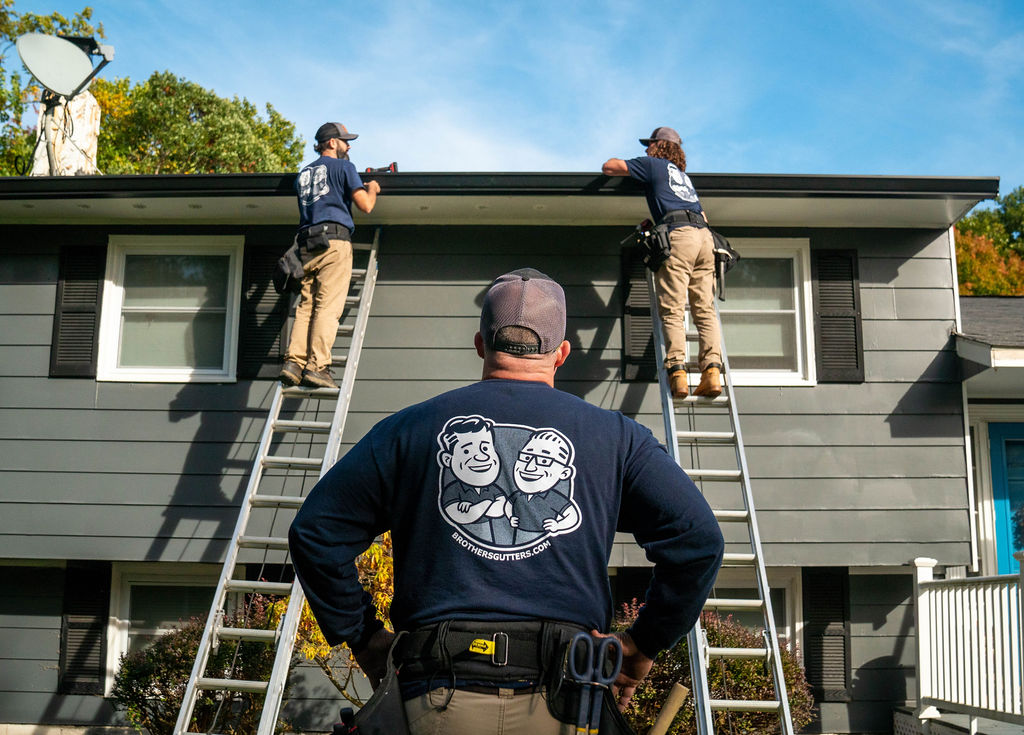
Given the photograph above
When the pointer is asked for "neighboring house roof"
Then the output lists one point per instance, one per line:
(992, 330)
(761, 200)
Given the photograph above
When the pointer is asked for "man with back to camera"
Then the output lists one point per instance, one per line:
(326, 190)
(489, 622)
(690, 269)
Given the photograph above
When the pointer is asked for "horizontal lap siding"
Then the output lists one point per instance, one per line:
(175, 456)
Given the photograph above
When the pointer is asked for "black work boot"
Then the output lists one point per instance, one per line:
(291, 373)
(318, 378)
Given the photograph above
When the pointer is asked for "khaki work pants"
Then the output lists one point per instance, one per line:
(474, 713)
(689, 274)
(321, 303)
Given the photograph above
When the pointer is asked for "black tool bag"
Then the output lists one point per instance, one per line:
(653, 244)
(288, 273)
(314, 239)
(384, 712)
(725, 258)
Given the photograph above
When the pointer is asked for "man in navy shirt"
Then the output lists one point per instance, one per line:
(326, 190)
(689, 271)
(488, 617)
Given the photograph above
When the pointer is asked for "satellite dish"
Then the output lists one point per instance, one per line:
(63, 65)
(58, 64)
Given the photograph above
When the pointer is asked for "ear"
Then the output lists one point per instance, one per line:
(562, 353)
(478, 342)
(445, 458)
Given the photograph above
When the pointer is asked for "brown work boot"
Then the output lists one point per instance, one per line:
(710, 382)
(678, 382)
(290, 373)
(318, 379)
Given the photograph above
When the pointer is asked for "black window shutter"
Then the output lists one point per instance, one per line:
(261, 339)
(637, 337)
(827, 632)
(837, 318)
(83, 631)
(76, 315)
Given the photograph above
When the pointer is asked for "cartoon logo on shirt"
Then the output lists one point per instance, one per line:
(506, 487)
(313, 184)
(680, 184)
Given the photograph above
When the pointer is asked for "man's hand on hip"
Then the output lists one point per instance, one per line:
(373, 659)
(635, 666)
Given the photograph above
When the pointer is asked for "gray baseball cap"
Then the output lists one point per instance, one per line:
(333, 130)
(662, 133)
(524, 298)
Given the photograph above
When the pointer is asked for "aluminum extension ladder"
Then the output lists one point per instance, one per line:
(260, 511)
(699, 411)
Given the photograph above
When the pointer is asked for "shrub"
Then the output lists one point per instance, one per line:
(150, 684)
(727, 679)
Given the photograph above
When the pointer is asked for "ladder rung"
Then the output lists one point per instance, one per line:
(733, 604)
(721, 401)
(358, 273)
(352, 300)
(346, 330)
(738, 652)
(744, 705)
(307, 427)
(269, 542)
(695, 474)
(304, 392)
(727, 516)
(277, 501)
(247, 634)
(231, 685)
(339, 359)
(270, 588)
(279, 461)
(737, 560)
(706, 436)
(362, 246)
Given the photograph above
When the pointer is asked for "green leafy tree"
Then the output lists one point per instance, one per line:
(169, 125)
(17, 88)
(1002, 224)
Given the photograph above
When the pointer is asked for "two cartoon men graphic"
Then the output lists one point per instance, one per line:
(475, 501)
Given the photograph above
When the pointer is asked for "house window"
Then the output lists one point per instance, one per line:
(148, 600)
(170, 309)
(767, 325)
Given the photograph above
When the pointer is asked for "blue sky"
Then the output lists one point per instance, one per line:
(890, 87)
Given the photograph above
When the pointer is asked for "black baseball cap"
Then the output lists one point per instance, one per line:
(524, 298)
(333, 130)
(662, 133)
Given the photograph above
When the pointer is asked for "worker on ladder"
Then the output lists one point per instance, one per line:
(487, 597)
(689, 270)
(326, 190)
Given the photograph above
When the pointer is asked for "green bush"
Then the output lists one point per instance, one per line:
(727, 679)
(150, 684)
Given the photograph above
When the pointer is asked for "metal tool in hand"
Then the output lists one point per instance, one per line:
(594, 663)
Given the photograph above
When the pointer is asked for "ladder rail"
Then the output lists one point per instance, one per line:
(697, 638)
(755, 541)
(288, 629)
(293, 615)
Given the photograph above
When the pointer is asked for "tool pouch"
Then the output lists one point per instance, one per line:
(563, 693)
(315, 239)
(653, 243)
(288, 273)
(384, 713)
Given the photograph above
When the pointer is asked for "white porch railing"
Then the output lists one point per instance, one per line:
(969, 657)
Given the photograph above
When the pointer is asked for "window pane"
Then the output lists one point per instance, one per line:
(164, 340)
(176, 280)
(759, 283)
(162, 606)
(760, 341)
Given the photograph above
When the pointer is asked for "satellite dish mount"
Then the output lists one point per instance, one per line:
(63, 65)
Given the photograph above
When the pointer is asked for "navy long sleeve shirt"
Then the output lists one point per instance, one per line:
(503, 499)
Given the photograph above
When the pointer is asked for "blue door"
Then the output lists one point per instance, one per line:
(1007, 445)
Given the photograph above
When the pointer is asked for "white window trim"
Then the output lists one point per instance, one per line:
(788, 579)
(122, 577)
(113, 296)
(799, 249)
(981, 415)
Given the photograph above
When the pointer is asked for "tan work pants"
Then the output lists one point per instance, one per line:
(474, 713)
(321, 303)
(689, 273)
